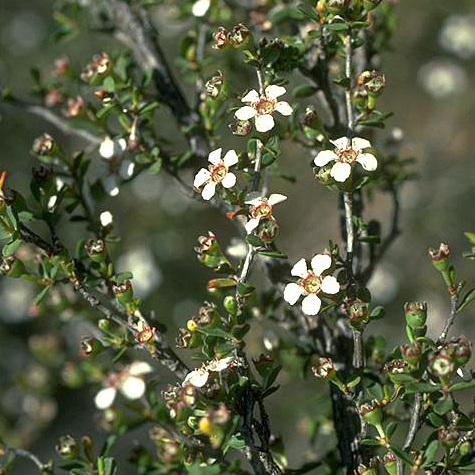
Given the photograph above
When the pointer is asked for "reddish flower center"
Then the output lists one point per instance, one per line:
(265, 106)
(347, 155)
(312, 283)
(218, 172)
(264, 210)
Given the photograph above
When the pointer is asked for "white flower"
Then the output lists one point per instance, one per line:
(217, 173)
(200, 8)
(106, 218)
(199, 377)
(311, 283)
(261, 208)
(112, 147)
(262, 107)
(458, 35)
(129, 382)
(442, 78)
(345, 157)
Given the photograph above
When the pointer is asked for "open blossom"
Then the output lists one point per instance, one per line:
(261, 208)
(311, 283)
(345, 157)
(200, 8)
(130, 382)
(217, 173)
(199, 377)
(262, 107)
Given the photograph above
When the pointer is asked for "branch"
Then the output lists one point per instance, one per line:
(411, 434)
(450, 321)
(42, 467)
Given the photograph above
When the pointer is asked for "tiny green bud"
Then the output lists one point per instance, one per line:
(44, 145)
(411, 353)
(416, 314)
(371, 413)
(389, 463)
(358, 313)
(123, 292)
(96, 250)
(460, 349)
(67, 448)
(440, 257)
(230, 304)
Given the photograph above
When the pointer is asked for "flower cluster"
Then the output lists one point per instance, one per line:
(199, 377)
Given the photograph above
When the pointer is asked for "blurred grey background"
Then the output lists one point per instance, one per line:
(430, 81)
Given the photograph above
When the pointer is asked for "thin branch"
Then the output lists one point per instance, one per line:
(42, 467)
(413, 427)
(450, 321)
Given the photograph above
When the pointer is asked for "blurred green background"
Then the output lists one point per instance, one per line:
(430, 76)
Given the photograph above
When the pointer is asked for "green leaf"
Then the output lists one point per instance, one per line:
(337, 27)
(370, 442)
(39, 297)
(305, 90)
(221, 282)
(431, 451)
(354, 382)
(122, 276)
(253, 240)
(435, 420)
(470, 237)
(274, 254)
(443, 406)
(156, 167)
(109, 84)
(466, 468)
(462, 385)
(377, 313)
(469, 297)
(218, 332)
(421, 388)
(11, 247)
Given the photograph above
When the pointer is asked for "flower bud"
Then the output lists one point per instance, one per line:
(358, 313)
(448, 436)
(104, 325)
(389, 463)
(442, 366)
(230, 304)
(96, 250)
(105, 96)
(221, 37)
(12, 267)
(370, 469)
(311, 118)
(75, 107)
(397, 370)
(325, 368)
(372, 82)
(460, 349)
(440, 257)
(67, 448)
(123, 292)
(371, 413)
(239, 36)
(241, 127)
(53, 98)
(267, 230)
(99, 66)
(208, 251)
(44, 145)
(416, 314)
(214, 86)
(411, 353)
(337, 7)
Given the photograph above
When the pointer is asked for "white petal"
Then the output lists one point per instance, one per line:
(230, 158)
(215, 156)
(368, 161)
(106, 149)
(106, 218)
(340, 171)
(121, 144)
(321, 262)
(251, 225)
(342, 142)
(311, 304)
(197, 378)
(52, 201)
(300, 268)
(200, 8)
(273, 91)
(126, 169)
(284, 108)
(132, 387)
(276, 198)
(253, 198)
(219, 365)
(359, 144)
(208, 191)
(201, 178)
(251, 96)
(229, 180)
(324, 157)
(292, 292)
(104, 398)
(330, 285)
(264, 123)
(110, 185)
(245, 113)
(138, 368)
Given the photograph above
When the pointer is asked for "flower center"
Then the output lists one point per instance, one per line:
(312, 283)
(347, 155)
(218, 172)
(265, 106)
(264, 210)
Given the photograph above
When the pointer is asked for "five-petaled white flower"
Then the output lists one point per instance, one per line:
(262, 107)
(311, 283)
(199, 377)
(261, 208)
(130, 382)
(217, 173)
(345, 157)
